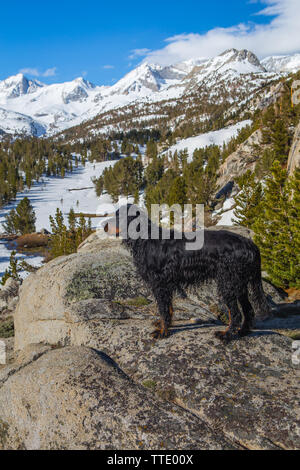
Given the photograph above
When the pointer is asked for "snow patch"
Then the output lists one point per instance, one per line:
(210, 138)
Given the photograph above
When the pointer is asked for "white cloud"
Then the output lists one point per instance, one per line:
(138, 53)
(51, 72)
(279, 36)
(29, 71)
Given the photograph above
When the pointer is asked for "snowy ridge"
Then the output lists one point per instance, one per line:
(37, 108)
(281, 64)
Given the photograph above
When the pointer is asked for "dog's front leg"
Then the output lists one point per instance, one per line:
(165, 308)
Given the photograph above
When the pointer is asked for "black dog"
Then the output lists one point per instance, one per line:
(167, 267)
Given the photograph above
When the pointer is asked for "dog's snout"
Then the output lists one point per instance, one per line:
(111, 228)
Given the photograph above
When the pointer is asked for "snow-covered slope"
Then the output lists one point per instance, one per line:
(16, 123)
(219, 138)
(50, 193)
(283, 63)
(53, 108)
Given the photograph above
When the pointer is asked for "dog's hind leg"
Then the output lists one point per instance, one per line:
(248, 315)
(164, 301)
(235, 320)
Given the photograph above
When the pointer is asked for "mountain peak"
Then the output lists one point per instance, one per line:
(18, 85)
(244, 56)
(83, 82)
(144, 77)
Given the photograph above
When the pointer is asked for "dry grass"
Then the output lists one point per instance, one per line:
(294, 294)
(32, 240)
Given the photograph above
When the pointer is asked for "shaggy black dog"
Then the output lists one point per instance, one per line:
(168, 267)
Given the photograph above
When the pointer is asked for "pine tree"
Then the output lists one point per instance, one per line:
(10, 222)
(154, 171)
(277, 228)
(71, 235)
(83, 230)
(178, 192)
(280, 140)
(248, 200)
(12, 270)
(58, 242)
(22, 219)
(293, 244)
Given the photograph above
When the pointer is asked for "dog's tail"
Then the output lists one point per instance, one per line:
(258, 298)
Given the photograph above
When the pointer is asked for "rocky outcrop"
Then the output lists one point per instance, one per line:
(186, 392)
(271, 96)
(242, 160)
(97, 380)
(294, 155)
(77, 398)
(9, 296)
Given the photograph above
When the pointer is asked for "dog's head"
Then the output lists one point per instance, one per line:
(119, 224)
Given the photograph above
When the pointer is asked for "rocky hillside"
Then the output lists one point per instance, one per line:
(86, 374)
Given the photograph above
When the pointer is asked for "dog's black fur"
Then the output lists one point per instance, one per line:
(231, 260)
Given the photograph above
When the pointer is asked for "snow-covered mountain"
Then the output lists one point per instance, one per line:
(17, 123)
(283, 63)
(240, 62)
(18, 85)
(33, 108)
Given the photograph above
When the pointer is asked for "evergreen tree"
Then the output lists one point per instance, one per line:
(277, 228)
(22, 219)
(280, 140)
(65, 240)
(12, 270)
(293, 243)
(154, 171)
(248, 200)
(264, 164)
(178, 193)
(59, 238)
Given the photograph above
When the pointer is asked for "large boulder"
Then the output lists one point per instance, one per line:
(242, 160)
(77, 398)
(53, 299)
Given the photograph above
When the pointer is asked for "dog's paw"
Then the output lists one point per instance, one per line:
(244, 332)
(160, 334)
(223, 336)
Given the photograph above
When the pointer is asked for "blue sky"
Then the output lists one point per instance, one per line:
(61, 40)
